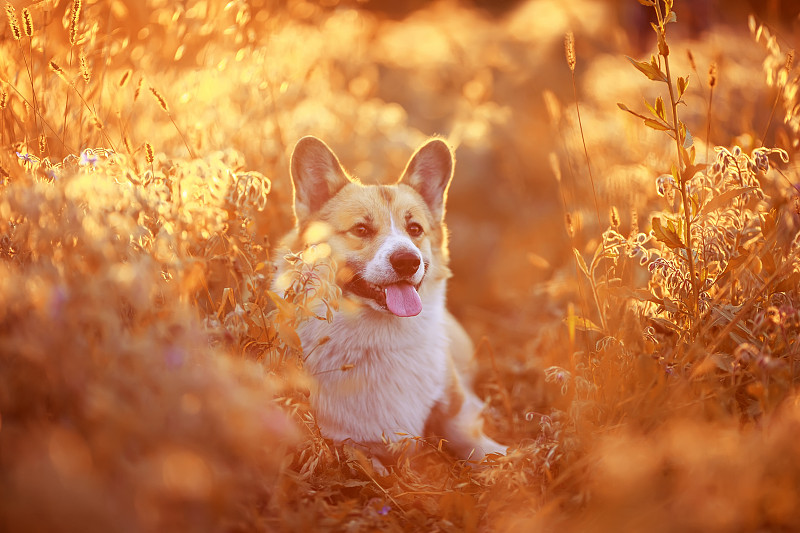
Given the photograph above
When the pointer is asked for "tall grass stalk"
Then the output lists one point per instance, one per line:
(787, 67)
(569, 48)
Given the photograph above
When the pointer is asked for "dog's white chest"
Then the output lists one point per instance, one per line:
(398, 373)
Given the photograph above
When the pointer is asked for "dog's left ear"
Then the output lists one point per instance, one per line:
(317, 176)
(429, 173)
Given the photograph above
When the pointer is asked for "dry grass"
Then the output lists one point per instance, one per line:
(641, 358)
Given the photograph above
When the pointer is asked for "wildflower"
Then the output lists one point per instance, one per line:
(383, 511)
(558, 375)
(28, 160)
(88, 157)
(664, 184)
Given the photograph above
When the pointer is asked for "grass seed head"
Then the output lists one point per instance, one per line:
(692, 62)
(3, 97)
(160, 99)
(123, 81)
(73, 23)
(148, 153)
(614, 217)
(58, 70)
(569, 48)
(27, 22)
(570, 225)
(138, 89)
(85, 70)
(712, 75)
(13, 23)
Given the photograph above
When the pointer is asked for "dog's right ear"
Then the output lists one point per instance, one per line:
(317, 175)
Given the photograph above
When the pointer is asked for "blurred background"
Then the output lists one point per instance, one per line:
(375, 78)
(215, 87)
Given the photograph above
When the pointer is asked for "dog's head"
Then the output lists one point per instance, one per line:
(389, 241)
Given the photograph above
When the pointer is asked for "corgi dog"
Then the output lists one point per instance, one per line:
(390, 361)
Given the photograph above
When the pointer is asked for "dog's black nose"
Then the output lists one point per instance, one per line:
(405, 263)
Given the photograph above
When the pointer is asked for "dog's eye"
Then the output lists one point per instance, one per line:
(414, 229)
(360, 230)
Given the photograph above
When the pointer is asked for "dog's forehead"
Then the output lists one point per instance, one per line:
(380, 203)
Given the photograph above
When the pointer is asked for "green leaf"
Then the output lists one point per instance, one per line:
(695, 203)
(688, 139)
(769, 221)
(720, 201)
(691, 170)
(648, 69)
(651, 108)
(666, 324)
(289, 336)
(285, 309)
(642, 295)
(683, 83)
(660, 109)
(666, 235)
(656, 125)
(581, 263)
(671, 226)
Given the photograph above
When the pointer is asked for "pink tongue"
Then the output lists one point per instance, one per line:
(402, 299)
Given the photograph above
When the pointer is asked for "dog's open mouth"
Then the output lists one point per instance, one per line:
(400, 298)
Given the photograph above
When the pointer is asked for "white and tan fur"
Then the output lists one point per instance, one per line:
(407, 375)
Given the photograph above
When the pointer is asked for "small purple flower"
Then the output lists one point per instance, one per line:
(384, 510)
(27, 159)
(88, 157)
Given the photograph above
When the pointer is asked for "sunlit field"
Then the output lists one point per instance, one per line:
(623, 222)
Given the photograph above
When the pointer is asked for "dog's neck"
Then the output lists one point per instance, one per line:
(358, 331)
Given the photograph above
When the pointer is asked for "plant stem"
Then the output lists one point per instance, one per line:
(681, 178)
(600, 308)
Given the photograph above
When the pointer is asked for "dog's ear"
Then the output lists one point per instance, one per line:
(429, 173)
(317, 175)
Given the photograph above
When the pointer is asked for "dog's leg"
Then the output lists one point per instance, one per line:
(465, 433)
(458, 418)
